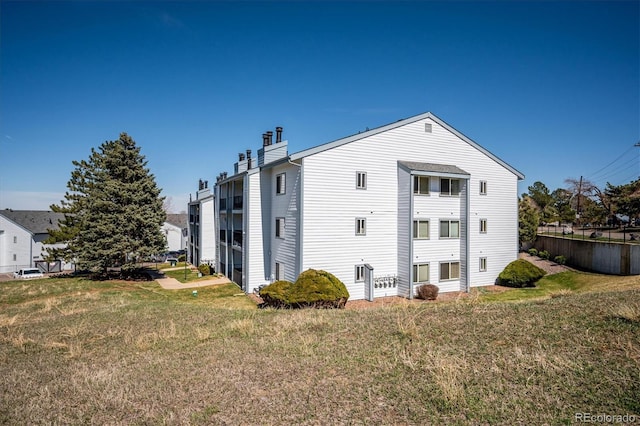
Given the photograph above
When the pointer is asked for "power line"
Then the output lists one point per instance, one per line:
(619, 157)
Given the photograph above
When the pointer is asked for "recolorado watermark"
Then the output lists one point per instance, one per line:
(606, 418)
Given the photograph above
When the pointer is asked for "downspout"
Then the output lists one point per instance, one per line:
(410, 225)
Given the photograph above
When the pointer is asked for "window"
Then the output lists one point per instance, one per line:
(281, 184)
(427, 127)
(421, 229)
(421, 273)
(449, 229)
(15, 239)
(280, 227)
(483, 264)
(361, 226)
(279, 271)
(15, 257)
(483, 187)
(449, 186)
(361, 180)
(421, 185)
(359, 273)
(483, 226)
(449, 271)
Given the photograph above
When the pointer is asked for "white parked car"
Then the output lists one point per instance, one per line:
(27, 273)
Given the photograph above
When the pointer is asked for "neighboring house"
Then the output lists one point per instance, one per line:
(175, 230)
(385, 210)
(22, 233)
(201, 246)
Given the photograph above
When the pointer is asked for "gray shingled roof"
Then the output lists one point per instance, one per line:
(433, 168)
(34, 221)
(179, 220)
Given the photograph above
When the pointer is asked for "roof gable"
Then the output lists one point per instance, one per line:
(399, 123)
(179, 219)
(34, 221)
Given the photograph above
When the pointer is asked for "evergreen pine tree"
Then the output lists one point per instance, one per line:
(113, 209)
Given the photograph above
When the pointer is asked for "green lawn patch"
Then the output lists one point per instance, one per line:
(116, 352)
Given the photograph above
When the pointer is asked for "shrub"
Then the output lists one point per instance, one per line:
(318, 289)
(543, 254)
(533, 252)
(520, 273)
(204, 269)
(182, 258)
(427, 292)
(276, 294)
(560, 260)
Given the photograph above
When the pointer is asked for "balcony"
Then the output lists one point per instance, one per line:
(237, 276)
(237, 239)
(237, 202)
(223, 204)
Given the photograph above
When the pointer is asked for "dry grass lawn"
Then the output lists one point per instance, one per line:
(74, 351)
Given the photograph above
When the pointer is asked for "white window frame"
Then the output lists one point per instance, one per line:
(421, 189)
(281, 183)
(416, 229)
(359, 273)
(483, 264)
(448, 236)
(449, 193)
(361, 180)
(416, 273)
(483, 187)
(280, 227)
(279, 271)
(361, 226)
(449, 278)
(483, 226)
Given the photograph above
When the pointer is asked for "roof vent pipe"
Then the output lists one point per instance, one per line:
(265, 140)
(248, 154)
(278, 134)
(270, 137)
(240, 157)
(224, 175)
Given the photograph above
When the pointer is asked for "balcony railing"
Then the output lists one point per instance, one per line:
(237, 202)
(237, 239)
(237, 276)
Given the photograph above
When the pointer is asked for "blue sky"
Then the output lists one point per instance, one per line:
(552, 88)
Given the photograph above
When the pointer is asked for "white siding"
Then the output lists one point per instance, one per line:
(21, 248)
(255, 267)
(208, 231)
(405, 229)
(331, 204)
(285, 250)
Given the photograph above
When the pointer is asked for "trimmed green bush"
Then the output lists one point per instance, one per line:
(560, 260)
(543, 254)
(532, 252)
(318, 289)
(204, 269)
(312, 289)
(520, 273)
(427, 292)
(182, 258)
(276, 294)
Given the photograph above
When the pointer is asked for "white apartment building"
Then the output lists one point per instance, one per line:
(385, 210)
(201, 240)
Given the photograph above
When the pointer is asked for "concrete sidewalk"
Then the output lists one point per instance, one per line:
(172, 284)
